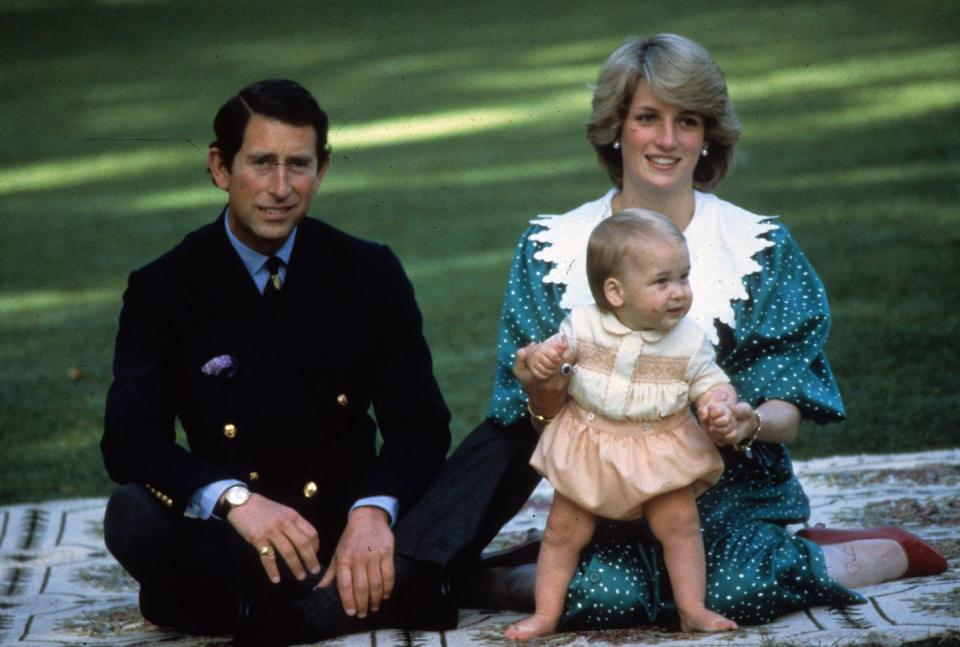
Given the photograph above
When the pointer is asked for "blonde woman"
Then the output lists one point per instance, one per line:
(664, 128)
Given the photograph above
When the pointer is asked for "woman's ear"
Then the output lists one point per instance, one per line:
(613, 290)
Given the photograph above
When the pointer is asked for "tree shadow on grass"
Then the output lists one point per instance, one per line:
(453, 125)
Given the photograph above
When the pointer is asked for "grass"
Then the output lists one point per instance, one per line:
(453, 126)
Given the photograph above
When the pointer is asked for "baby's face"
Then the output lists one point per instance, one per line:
(655, 285)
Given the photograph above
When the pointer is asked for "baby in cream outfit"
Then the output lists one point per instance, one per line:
(625, 444)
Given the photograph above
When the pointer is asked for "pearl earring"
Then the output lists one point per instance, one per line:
(705, 151)
(616, 145)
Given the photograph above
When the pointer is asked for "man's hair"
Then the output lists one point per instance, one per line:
(279, 99)
(610, 241)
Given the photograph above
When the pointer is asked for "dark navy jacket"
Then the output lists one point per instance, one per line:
(292, 415)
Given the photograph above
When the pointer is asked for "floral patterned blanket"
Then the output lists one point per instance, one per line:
(60, 586)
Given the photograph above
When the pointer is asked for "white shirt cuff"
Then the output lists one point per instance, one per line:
(204, 500)
(388, 504)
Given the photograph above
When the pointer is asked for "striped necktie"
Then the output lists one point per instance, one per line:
(274, 283)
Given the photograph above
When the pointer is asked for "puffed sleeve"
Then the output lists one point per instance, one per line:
(531, 312)
(777, 350)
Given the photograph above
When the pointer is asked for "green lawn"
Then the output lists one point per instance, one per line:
(452, 127)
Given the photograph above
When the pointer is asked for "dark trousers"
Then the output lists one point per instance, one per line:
(197, 575)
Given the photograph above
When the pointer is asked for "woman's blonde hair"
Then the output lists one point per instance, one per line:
(681, 72)
(610, 241)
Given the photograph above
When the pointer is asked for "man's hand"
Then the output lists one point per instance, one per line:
(363, 562)
(265, 523)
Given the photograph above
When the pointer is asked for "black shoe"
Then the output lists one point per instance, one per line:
(523, 553)
(428, 603)
(420, 602)
(271, 621)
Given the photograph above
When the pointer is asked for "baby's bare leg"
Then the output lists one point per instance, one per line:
(675, 522)
(569, 528)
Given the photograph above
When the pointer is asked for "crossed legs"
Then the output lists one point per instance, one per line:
(194, 575)
(198, 576)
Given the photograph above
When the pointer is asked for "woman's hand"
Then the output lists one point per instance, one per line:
(779, 422)
(546, 396)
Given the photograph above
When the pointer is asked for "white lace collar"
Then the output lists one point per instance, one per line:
(722, 239)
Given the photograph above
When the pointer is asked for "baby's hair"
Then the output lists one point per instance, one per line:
(610, 241)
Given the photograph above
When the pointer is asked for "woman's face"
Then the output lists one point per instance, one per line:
(660, 143)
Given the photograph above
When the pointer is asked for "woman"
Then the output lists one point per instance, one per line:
(664, 129)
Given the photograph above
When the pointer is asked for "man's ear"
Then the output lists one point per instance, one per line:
(613, 290)
(218, 170)
(321, 173)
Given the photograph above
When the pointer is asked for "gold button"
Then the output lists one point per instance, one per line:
(254, 476)
(168, 501)
(342, 400)
(310, 489)
(230, 431)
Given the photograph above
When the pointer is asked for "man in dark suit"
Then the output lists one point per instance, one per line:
(269, 335)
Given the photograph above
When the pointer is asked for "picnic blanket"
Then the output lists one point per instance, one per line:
(61, 587)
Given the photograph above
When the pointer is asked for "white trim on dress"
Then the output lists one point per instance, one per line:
(722, 238)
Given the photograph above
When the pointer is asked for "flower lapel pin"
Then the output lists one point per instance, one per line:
(224, 365)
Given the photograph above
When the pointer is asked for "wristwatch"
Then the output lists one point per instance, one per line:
(233, 497)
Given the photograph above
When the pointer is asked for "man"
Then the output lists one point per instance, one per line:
(269, 335)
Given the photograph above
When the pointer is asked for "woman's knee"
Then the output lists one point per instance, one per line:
(680, 519)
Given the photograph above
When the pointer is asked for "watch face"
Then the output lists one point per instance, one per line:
(237, 495)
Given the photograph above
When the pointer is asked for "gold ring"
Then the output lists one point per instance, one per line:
(265, 551)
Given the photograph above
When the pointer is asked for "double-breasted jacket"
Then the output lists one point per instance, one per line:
(299, 385)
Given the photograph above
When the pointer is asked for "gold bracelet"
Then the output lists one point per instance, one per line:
(745, 444)
(536, 416)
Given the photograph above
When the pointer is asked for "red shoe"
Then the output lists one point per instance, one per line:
(922, 559)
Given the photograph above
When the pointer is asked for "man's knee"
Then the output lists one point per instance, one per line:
(133, 522)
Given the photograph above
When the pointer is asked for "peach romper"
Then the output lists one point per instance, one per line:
(626, 434)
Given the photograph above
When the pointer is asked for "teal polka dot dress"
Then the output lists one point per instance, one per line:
(756, 570)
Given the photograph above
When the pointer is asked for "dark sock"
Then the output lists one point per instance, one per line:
(419, 601)
(503, 587)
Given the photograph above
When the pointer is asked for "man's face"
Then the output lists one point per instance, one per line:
(274, 176)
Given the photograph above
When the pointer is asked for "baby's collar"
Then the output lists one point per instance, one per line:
(614, 326)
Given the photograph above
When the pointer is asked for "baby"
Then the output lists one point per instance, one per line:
(625, 444)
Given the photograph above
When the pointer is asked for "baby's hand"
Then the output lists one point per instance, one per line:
(545, 358)
(719, 422)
